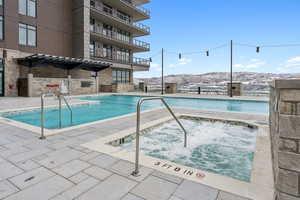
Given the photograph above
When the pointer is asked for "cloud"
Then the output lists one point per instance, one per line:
(253, 64)
(155, 66)
(292, 65)
(295, 60)
(181, 62)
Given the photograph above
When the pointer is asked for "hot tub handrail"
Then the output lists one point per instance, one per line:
(138, 116)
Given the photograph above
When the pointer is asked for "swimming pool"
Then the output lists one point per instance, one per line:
(117, 105)
(221, 147)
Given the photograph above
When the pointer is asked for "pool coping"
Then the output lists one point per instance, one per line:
(50, 132)
(207, 97)
(260, 187)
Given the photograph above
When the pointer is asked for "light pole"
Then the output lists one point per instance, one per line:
(231, 63)
(162, 71)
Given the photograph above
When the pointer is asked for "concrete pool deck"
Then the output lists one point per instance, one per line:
(59, 168)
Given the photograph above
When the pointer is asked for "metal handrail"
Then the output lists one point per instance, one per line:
(42, 137)
(43, 113)
(69, 107)
(60, 109)
(138, 119)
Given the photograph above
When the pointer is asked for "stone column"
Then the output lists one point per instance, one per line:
(81, 28)
(97, 84)
(285, 137)
(171, 88)
(142, 86)
(69, 84)
(29, 85)
(236, 88)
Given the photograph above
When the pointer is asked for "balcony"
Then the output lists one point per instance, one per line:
(107, 36)
(100, 55)
(141, 61)
(106, 15)
(139, 2)
(138, 13)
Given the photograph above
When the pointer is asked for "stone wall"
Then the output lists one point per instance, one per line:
(105, 76)
(11, 70)
(39, 85)
(122, 87)
(285, 137)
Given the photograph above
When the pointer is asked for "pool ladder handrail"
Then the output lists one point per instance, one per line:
(138, 120)
(60, 109)
(43, 95)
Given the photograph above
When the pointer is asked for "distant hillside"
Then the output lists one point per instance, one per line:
(250, 79)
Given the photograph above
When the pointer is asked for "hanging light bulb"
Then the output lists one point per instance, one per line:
(257, 49)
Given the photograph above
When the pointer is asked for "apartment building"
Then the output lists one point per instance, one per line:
(88, 45)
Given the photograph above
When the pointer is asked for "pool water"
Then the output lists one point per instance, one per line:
(118, 105)
(213, 146)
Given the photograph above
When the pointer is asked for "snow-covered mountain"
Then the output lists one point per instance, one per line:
(251, 80)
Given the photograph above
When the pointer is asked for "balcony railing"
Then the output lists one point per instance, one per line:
(121, 18)
(140, 43)
(100, 55)
(141, 9)
(141, 61)
(115, 36)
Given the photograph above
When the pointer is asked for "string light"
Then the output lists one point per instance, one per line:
(207, 52)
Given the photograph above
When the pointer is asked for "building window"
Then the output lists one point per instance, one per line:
(124, 16)
(27, 7)
(123, 35)
(107, 51)
(1, 28)
(121, 76)
(92, 48)
(107, 9)
(27, 35)
(1, 3)
(123, 55)
(93, 4)
(92, 25)
(107, 30)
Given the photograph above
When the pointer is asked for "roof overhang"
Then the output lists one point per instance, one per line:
(66, 63)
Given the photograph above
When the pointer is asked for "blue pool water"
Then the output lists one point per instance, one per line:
(117, 105)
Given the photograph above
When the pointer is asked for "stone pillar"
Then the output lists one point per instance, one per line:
(171, 88)
(69, 84)
(236, 88)
(29, 85)
(97, 84)
(285, 137)
(142, 86)
(81, 28)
